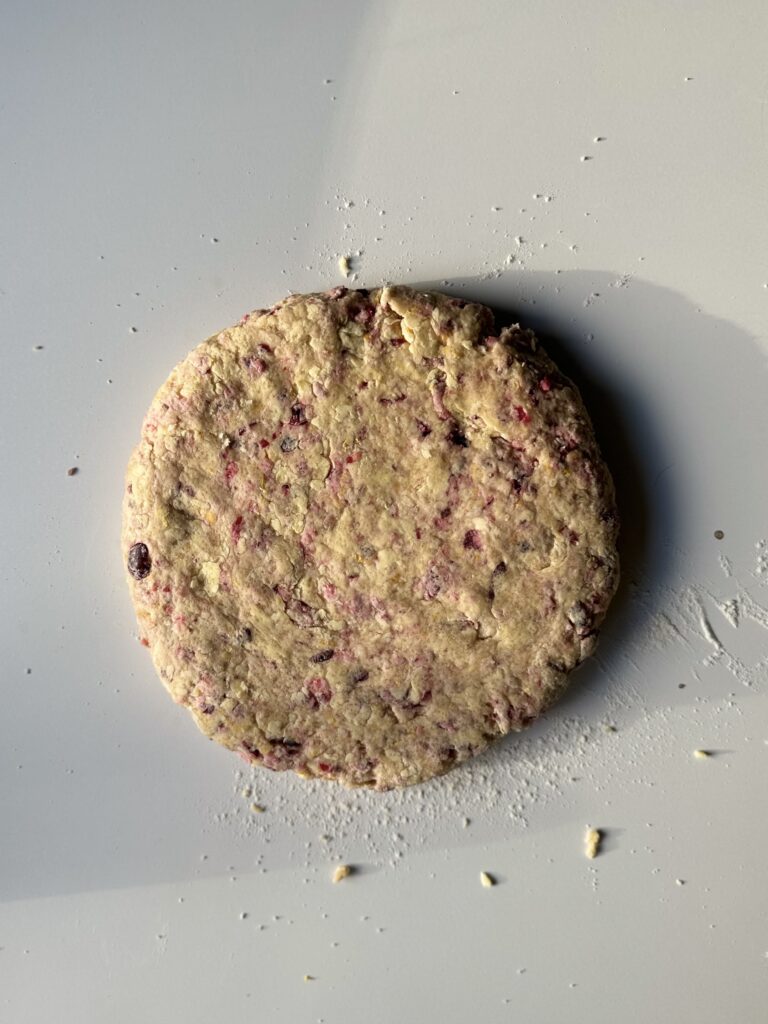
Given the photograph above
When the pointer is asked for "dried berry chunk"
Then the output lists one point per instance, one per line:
(321, 656)
(457, 436)
(139, 561)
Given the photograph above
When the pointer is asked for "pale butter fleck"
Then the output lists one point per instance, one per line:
(592, 840)
(487, 881)
(211, 572)
(342, 871)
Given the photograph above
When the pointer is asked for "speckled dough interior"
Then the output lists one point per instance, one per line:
(367, 533)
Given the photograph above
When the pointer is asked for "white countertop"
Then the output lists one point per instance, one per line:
(168, 166)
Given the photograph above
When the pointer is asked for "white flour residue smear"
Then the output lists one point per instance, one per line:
(697, 613)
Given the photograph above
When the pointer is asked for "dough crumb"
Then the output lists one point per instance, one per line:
(257, 808)
(679, 881)
(344, 267)
(342, 871)
(701, 754)
(487, 881)
(592, 841)
(308, 977)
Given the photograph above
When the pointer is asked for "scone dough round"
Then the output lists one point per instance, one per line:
(366, 533)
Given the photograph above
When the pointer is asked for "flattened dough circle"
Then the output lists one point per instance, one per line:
(366, 533)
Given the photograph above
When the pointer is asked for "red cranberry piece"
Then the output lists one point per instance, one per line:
(237, 529)
(472, 540)
(318, 692)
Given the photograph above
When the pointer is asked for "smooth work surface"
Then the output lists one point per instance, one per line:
(598, 171)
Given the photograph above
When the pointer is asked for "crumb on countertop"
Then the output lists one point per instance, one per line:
(73, 471)
(342, 871)
(344, 267)
(487, 881)
(701, 754)
(592, 840)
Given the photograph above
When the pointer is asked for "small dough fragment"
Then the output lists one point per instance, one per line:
(487, 881)
(700, 755)
(592, 841)
(344, 267)
(342, 871)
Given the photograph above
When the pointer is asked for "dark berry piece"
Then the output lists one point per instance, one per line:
(581, 618)
(321, 656)
(289, 746)
(288, 444)
(423, 428)
(432, 583)
(359, 675)
(139, 561)
(456, 436)
(298, 416)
